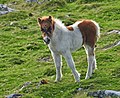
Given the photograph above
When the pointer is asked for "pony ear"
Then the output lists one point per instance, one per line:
(50, 18)
(39, 20)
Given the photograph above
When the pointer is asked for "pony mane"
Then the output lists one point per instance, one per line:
(60, 25)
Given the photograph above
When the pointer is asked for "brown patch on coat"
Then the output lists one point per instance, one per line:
(70, 28)
(53, 25)
(88, 30)
(44, 34)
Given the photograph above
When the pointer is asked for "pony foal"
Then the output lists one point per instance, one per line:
(62, 40)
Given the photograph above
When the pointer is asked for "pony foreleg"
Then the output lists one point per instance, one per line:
(71, 64)
(58, 64)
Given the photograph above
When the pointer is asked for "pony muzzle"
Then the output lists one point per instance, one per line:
(46, 40)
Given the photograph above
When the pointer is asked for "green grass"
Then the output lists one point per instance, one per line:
(22, 50)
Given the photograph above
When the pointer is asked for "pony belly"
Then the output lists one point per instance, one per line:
(76, 43)
(76, 47)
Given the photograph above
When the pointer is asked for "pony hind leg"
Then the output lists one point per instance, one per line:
(94, 64)
(91, 61)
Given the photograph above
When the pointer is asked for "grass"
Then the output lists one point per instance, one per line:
(22, 49)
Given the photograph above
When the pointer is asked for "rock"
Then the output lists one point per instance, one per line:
(31, 0)
(77, 90)
(3, 12)
(25, 85)
(104, 94)
(37, 1)
(4, 9)
(114, 31)
(23, 27)
(14, 96)
(44, 59)
(117, 43)
(14, 23)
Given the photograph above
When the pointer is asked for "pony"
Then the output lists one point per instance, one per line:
(63, 40)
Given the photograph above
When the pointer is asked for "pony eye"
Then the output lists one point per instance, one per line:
(42, 29)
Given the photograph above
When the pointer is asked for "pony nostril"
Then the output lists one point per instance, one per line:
(47, 40)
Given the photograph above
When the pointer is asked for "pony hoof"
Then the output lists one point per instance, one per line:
(77, 81)
(57, 81)
(87, 77)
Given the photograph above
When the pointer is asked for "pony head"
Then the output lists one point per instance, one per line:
(47, 27)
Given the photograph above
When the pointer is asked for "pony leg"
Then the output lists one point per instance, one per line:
(57, 60)
(70, 62)
(94, 63)
(91, 61)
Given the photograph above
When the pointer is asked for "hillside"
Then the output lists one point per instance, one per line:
(24, 58)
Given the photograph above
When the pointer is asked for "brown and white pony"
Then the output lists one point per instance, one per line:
(62, 40)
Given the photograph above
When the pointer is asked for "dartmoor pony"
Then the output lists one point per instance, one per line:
(62, 40)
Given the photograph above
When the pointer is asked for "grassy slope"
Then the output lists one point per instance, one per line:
(21, 50)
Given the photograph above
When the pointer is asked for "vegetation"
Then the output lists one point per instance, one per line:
(23, 53)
